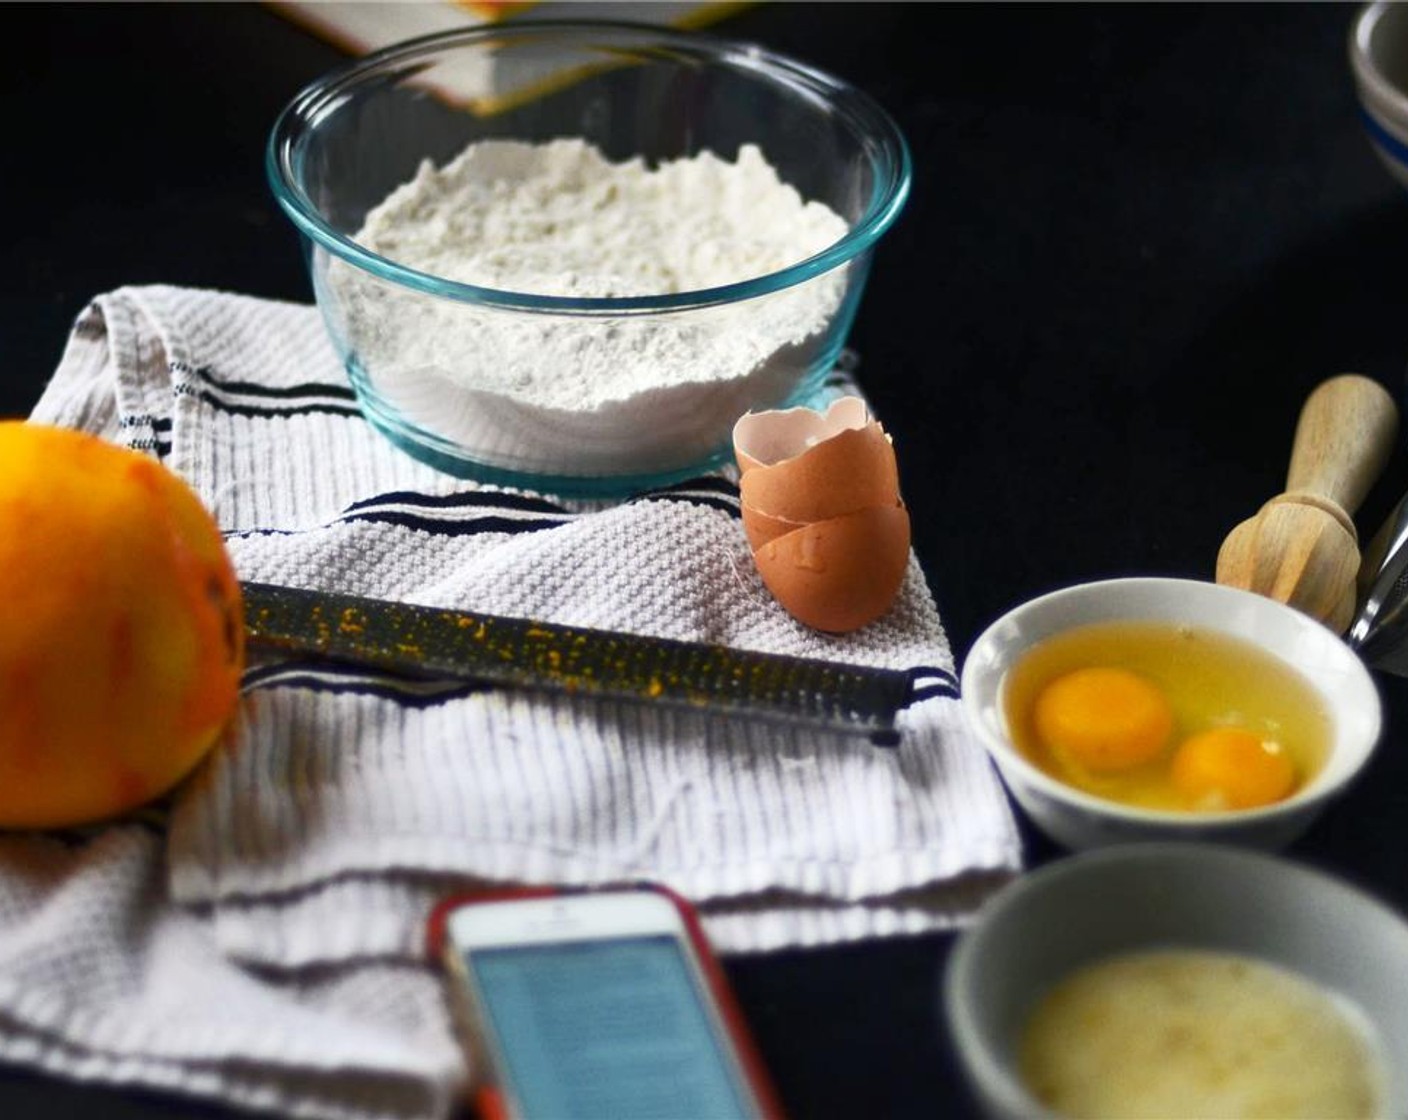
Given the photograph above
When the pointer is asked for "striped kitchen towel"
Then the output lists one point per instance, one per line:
(294, 872)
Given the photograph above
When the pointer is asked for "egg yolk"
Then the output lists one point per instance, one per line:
(1231, 768)
(1104, 719)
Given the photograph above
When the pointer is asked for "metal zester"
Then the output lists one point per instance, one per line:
(436, 643)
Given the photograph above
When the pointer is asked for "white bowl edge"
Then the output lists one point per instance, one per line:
(1252, 882)
(1337, 673)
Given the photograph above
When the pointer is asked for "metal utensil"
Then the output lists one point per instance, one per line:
(1379, 631)
(425, 642)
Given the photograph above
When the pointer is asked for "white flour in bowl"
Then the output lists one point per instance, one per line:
(573, 394)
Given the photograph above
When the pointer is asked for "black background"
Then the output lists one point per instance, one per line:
(1138, 237)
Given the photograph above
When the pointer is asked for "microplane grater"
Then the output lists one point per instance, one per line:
(433, 642)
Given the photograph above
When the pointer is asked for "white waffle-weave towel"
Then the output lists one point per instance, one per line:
(262, 942)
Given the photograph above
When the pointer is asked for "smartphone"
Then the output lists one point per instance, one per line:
(599, 1005)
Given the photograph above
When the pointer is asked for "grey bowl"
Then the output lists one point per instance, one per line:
(1202, 896)
(1378, 59)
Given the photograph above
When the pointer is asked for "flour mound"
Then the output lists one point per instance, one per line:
(559, 219)
(588, 394)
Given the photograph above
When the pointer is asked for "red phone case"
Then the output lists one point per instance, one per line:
(486, 1100)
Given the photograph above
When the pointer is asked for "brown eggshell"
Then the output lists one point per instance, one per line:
(840, 574)
(762, 527)
(852, 470)
(763, 438)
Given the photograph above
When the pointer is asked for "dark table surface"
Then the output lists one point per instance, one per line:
(1138, 237)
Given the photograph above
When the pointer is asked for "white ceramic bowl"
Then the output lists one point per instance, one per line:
(1147, 896)
(1378, 58)
(1079, 820)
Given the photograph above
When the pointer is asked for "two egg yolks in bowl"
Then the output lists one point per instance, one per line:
(1166, 717)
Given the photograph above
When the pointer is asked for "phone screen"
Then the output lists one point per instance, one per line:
(606, 1028)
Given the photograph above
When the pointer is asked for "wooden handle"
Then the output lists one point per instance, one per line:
(1301, 547)
(1343, 440)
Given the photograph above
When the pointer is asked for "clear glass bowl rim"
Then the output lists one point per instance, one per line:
(300, 114)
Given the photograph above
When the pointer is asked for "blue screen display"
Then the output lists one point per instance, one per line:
(606, 1030)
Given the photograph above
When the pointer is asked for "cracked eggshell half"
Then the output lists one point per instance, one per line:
(851, 470)
(764, 438)
(822, 511)
(762, 527)
(804, 466)
(841, 574)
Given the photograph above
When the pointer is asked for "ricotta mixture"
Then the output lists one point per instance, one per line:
(579, 393)
(1190, 1033)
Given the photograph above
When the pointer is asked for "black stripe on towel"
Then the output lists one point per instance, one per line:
(486, 514)
(709, 491)
(250, 399)
(459, 527)
(929, 681)
(150, 443)
(146, 420)
(319, 675)
(482, 498)
(241, 534)
(255, 389)
(145, 431)
(260, 411)
(451, 515)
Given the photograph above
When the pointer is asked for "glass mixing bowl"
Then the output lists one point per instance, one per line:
(498, 385)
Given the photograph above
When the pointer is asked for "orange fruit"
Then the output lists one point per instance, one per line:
(122, 641)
